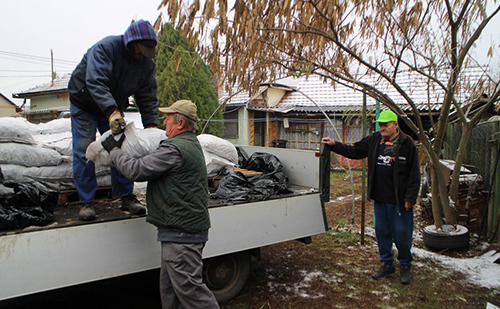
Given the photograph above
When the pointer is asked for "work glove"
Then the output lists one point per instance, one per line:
(116, 122)
(109, 143)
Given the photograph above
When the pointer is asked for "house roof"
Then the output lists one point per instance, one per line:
(8, 100)
(60, 86)
(338, 98)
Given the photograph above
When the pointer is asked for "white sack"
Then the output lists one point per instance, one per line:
(28, 155)
(216, 164)
(61, 142)
(137, 143)
(64, 146)
(5, 190)
(15, 130)
(13, 172)
(51, 127)
(104, 181)
(60, 176)
(219, 147)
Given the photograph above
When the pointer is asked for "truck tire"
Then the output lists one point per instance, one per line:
(226, 275)
(446, 240)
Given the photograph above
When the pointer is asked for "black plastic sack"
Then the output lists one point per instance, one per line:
(242, 156)
(238, 187)
(31, 204)
(263, 162)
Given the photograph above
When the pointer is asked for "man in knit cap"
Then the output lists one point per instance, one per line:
(111, 71)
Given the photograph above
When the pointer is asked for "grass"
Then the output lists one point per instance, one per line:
(340, 182)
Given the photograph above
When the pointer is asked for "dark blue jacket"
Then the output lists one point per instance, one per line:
(108, 75)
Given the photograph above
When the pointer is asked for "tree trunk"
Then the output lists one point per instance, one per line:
(437, 210)
(459, 160)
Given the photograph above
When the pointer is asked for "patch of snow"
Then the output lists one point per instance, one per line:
(308, 277)
(479, 270)
(491, 306)
(345, 197)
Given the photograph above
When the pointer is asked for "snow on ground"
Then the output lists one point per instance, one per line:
(480, 270)
(346, 197)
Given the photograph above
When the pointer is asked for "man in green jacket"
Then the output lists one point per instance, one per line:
(177, 199)
(393, 184)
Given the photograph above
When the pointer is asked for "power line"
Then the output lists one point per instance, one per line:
(32, 57)
(38, 63)
(24, 76)
(23, 70)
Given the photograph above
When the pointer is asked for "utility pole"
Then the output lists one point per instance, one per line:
(52, 67)
(363, 174)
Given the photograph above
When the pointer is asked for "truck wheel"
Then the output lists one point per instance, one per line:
(226, 275)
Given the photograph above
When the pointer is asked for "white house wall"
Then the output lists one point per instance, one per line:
(274, 96)
(52, 101)
(6, 109)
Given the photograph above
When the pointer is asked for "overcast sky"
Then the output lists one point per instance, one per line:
(31, 28)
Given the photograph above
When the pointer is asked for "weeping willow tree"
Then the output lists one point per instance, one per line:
(181, 74)
(364, 44)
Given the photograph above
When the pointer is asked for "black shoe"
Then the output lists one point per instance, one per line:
(384, 271)
(405, 274)
(132, 204)
(87, 212)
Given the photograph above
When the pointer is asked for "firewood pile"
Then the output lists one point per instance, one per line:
(471, 202)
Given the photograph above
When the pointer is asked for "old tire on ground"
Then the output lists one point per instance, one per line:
(226, 275)
(446, 239)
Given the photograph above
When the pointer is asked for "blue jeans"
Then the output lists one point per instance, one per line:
(391, 225)
(83, 129)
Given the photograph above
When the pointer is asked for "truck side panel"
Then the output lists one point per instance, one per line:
(260, 224)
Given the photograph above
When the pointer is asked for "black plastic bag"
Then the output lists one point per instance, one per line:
(242, 156)
(263, 162)
(238, 187)
(31, 204)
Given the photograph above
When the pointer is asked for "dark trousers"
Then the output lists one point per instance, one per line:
(181, 280)
(83, 128)
(393, 226)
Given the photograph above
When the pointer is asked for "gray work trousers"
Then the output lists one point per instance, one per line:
(181, 282)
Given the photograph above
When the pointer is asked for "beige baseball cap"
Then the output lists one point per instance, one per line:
(183, 107)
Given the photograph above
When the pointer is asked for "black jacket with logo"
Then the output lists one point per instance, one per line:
(406, 169)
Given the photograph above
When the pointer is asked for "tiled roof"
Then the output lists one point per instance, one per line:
(238, 98)
(60, 85)
(336, 98)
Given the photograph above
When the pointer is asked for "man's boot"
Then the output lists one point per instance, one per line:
(132, 204)
(384, 271)
(87, 212)
(405, 274)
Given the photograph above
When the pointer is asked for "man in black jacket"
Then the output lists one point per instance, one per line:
(393, 184)
(111, 71)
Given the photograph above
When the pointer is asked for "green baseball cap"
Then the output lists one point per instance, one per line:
(387, 116)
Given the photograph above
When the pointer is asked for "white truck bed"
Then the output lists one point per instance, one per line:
(71, 252)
